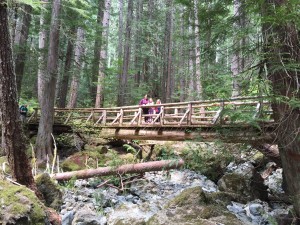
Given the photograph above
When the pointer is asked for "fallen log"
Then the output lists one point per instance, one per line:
(129, 168)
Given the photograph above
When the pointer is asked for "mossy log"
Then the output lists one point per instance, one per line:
(129, 168)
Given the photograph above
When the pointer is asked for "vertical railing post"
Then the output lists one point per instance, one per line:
(36, 114)
(140, 112)
(202, 111)
(222, 105)
(189, 115)
(93, 116)
(176, 111)
(121, 116)
(162, 118)
(104, 113)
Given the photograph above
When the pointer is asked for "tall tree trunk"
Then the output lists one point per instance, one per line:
(145, 75)
(120, 38)
(237, 63)
(21, 37)
(97, 50)
(191, 67)
(42, 45)
(47, 85)
(282, 52)
(167, 64)
(78, 62)
(198, 78)
(182, 62)
(63, 88)
(103, 55)
(14, 141)
(137, 46)
(122, 92)
(12, 18)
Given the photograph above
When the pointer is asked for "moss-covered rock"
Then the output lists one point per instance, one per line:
(19, 205)
(207, 161)
(100, 149)
(128, 158)
(51, 191)
(83, 160)
(194, 206)
(248, 187)
(68, 144)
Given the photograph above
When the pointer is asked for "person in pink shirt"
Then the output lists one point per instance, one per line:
(145, 101)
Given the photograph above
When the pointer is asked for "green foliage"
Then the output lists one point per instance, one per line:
(100, 202)
(206, 159)
(115, 159)
(69, 184)
(130, 149)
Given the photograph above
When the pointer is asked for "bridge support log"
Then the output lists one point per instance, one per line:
(129, 168)
(270, 151)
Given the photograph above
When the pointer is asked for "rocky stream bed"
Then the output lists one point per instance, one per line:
(175, 197)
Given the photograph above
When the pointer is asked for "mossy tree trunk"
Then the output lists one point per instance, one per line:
(282, 57)
(13, 138)
(46, 86)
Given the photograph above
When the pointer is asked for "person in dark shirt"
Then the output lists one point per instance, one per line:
(23, 113)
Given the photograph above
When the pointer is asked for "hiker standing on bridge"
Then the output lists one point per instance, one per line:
(151, 110)
(23, 113)
(158, 108)
(145, 101)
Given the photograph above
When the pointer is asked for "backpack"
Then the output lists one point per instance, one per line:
(23, 110)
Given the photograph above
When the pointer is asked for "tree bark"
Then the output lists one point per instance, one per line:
(120, 38)
(182, 61)
(191, 63)
(237, 63)
(13, 137)
(78, 62)
(42, 55)
(47, 85)
(137, 46)
(97, 49)
(122, 92)
(21, 37)
(103, 55)
(198, 73)
(64, 83)
(167, 61)
(282, 52)
(124, 169)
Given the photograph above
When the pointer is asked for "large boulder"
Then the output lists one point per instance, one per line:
(130, 214)
(68, 144)
(245, 181)
(83, 160)
(19, 205)
(194, 206)
(50, 191)
(86, 216)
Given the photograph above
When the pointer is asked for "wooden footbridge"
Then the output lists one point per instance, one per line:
(235, 120)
